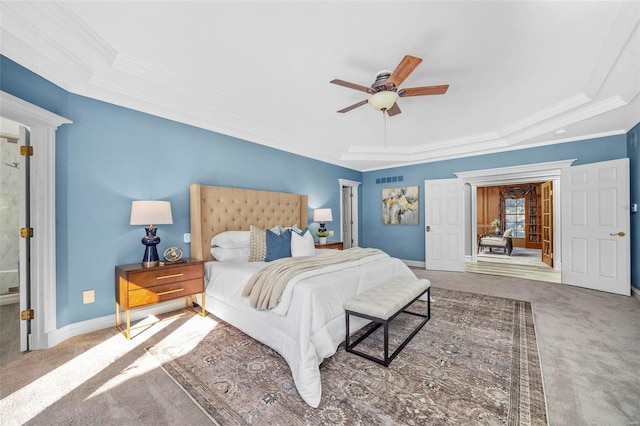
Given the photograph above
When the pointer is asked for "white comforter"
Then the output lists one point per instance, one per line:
(311, 324)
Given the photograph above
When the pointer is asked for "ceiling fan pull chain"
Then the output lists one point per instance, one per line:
(384, 119)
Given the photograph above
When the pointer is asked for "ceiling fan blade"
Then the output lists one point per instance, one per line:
(352, 85)
(394, 110)
(354, 106)
(405, 67)
(424, 90)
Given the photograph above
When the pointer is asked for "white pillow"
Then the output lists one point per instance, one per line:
(232, 239)
(302, 245)
(222, 254)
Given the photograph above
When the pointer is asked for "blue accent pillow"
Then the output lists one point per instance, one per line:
(278, 246)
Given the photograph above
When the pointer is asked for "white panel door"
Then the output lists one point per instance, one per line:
(444, 224)
(595, 226)
(24, 269)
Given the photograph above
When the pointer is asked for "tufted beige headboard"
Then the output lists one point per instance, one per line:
(216, 209)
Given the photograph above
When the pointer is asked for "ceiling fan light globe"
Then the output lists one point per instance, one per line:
(383, 100)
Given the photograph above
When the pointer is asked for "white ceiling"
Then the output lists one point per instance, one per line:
(260, 71)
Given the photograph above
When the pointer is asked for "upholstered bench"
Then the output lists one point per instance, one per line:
(383, 303)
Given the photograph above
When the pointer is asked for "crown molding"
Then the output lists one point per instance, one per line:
(588, 111)
(524, 173)
(619, 39)
(18, 110)
(87, 65)
(451, 156)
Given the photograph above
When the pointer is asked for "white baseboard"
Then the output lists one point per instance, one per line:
(9, 299)
(76, 329)
(635, 292)
(414, 263)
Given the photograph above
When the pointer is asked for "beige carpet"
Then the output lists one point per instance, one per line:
(588, 345)
(475, 362)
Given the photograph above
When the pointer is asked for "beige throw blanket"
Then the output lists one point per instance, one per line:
(266, 286)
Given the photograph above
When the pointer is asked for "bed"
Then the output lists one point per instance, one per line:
(312, 324)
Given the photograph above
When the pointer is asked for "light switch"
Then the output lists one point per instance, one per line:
(187, 238)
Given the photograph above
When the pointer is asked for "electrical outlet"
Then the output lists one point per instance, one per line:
(88, 296)
(330, 234)
(187, 238)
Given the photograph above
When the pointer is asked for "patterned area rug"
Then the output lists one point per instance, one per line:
(475, 362)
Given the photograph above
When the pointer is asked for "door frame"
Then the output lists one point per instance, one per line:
(24, 244)
(537, 172)
(354, 209)
(43, 125)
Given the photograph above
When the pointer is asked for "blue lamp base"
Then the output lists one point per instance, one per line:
(150, 258)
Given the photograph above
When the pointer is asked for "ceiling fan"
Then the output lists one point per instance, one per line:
(385, 90)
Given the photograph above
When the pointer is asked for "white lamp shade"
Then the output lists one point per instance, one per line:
(383, 100)
(322, 215)
(151, 213)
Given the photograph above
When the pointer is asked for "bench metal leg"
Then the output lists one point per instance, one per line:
(349, 347)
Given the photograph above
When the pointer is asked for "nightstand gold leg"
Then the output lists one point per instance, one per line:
(127, 332)
(204, 311)
(128, 325)
(117, 315)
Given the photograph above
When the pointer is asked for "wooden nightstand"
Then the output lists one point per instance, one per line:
(137, 286)
(336, 245)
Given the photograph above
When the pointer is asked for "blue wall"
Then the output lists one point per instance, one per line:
(406, 241)
(633, 150)
(111, 155)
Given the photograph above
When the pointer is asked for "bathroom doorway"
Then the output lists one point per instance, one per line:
(10, 192)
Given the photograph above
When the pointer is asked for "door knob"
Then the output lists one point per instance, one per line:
(619, 234)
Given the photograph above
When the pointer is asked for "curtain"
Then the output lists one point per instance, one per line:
(513, 192)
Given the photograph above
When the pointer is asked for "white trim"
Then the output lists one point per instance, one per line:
(23, 112)
(108, 321)
(524, 173)
(43, 125)
(9, 299)
(538, 172)
(414, 263)
(354, 208)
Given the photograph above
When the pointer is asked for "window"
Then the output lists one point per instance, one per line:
(514, 216)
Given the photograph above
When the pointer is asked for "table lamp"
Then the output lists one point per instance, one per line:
(322, 216)
(150, 213)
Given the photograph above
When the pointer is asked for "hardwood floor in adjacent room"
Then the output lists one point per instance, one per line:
(523, 263)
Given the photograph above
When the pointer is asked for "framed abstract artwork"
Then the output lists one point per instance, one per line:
(400, 206)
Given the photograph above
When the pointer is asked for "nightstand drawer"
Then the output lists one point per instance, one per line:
(161, 277)
(159, 293)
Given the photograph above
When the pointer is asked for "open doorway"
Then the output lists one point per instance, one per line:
(510, 176)
(349, 213)
(39, 329)
(10, 196)
(515, 226)
(515, 221)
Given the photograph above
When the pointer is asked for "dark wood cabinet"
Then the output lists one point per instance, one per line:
(336, 245)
